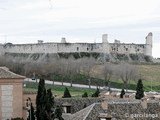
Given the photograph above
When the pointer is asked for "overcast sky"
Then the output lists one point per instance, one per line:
(26, 21)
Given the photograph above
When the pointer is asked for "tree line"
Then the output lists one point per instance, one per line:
(86, 70)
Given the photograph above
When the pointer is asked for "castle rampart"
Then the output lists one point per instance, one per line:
(104, 47)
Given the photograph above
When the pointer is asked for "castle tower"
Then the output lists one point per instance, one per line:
(105, 43)
(105, 38)
(149, 44)
(1, 50)
(63, 40)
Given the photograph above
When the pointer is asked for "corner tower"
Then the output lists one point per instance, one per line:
(149, 44)
(105, 43)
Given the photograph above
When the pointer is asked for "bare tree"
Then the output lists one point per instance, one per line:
(51, 70)
(107, 73)
(2, 60)
(126, 72)
(71, 70)
(34, 69)
(61, 69)
(87, 66)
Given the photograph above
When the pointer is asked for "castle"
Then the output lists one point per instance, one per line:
(64, 47)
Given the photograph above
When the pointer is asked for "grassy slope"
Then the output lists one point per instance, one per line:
(147, 73)
(150, 73)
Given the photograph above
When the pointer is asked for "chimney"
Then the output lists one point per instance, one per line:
(104, 103)
(144, 102)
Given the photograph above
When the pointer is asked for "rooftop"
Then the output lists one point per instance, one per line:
(5, 73)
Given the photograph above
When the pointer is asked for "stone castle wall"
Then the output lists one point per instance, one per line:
(65, 47)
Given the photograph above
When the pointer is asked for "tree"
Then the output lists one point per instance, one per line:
(122, 93)
(44, 102)
(85, 94)
(51, 70)
(70, 69)
(40, 101)
(87, 66)
(139, 89)
(85, 105)
(66, 93)
(49, 104)
(58, 113)
(126, 72)
(96, 94)
(107, 72)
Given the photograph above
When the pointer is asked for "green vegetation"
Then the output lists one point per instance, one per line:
(66, 93)
(139, 89)
(150, 75)
(59, 90)
(122, 93)
(96, 94)
(85, 95)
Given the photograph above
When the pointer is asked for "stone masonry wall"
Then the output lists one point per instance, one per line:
(74, 47)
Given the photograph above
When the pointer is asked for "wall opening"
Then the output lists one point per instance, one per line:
(77, 48)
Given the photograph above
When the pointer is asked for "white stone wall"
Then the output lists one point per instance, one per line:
(1, 50)
(32, 48)
(77, 47)
(103, 47)
(55, 48)
(6, 101)
(127, 48)
(148, 50)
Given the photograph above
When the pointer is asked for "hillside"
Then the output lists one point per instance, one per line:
(150, 75)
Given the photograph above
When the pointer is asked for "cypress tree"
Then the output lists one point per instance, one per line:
(49, 104)
(85, 105)
(139, 89)
(96, 94)
(40, 101)
(66, 93)
(58, 113)
(122, 93)
(85, 95)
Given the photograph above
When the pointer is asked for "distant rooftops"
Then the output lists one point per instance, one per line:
(5, 73)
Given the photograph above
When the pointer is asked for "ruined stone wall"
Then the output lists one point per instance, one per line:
(31, 48)
(52, 48)
(1, 50)
(64, 47)
(127, 48)
(74, 47)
